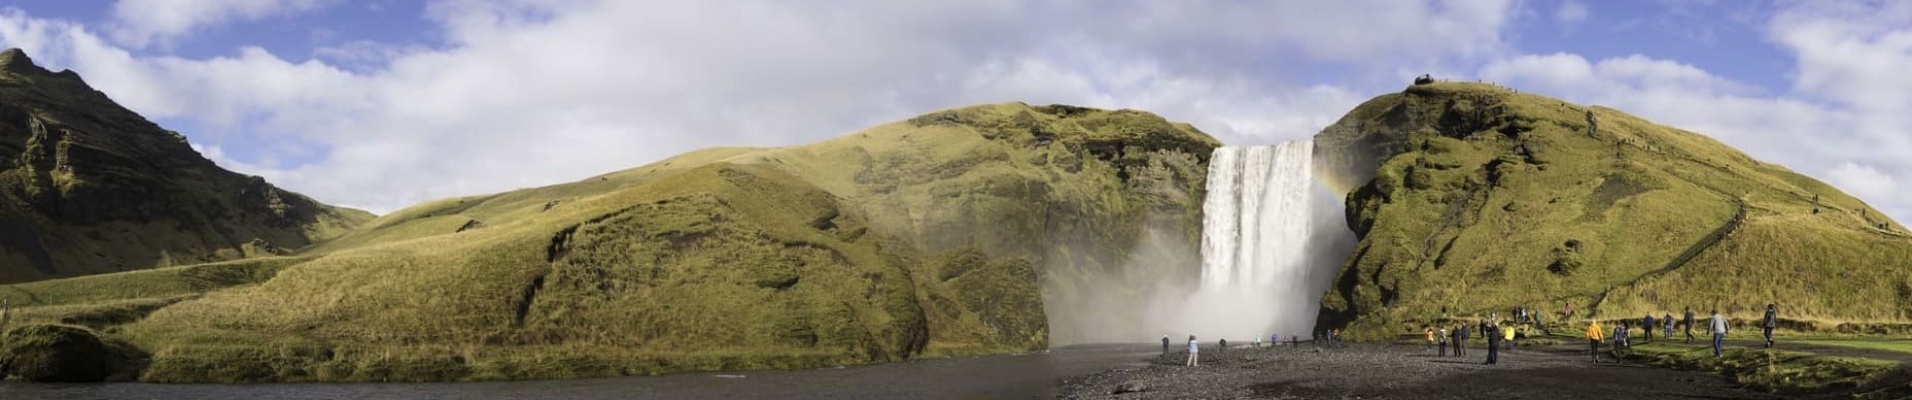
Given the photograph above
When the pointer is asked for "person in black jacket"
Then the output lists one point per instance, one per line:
(1647, 327)
(1689, 324)
(1461, 346)
(1772, 321)
(1493, 342)
(1164, 344)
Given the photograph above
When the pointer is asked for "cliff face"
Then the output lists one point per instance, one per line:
(87, 186)
(1474, 200)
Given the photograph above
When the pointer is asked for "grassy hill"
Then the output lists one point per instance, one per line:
(87, 187)
(1475, 199)
(940, 235)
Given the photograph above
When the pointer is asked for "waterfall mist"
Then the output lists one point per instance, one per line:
(1271, 242)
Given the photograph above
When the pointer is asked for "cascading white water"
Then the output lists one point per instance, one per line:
(1256, 235)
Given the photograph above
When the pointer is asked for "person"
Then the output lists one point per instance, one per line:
(1689, 324)
(1294, 340)
(1458, 338)
(1224, 344)
(1460, 345)
(1669, 326)
(1772, 321)
(1647, 327)
(1194, 352)
(1164, 344)
(1257, 342)
(1719, 332)
(1493, 342)
(1619, 339)
(1428, 332)
(1507, 336)
(1593, 338)
(1442, 337)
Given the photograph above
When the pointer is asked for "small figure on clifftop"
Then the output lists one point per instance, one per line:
(1164, 344)
(1257, 342)
(1593, 338)
(1719, 332)
(1224, 344)
(1194, 352)
(1772, 321)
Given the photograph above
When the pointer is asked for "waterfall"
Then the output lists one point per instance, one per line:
(1256, 235)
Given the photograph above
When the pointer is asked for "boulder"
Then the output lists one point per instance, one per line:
(55, 353)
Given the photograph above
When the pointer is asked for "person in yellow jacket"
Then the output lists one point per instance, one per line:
(1507, 335)
(1593, 338)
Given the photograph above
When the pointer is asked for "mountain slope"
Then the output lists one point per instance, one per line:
(1475, 200)
(965, 231)
(87, 187)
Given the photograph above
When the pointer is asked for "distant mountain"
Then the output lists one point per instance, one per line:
(87, 187)
(1471, 199)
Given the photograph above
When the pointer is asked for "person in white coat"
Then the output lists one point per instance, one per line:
(1194, 352)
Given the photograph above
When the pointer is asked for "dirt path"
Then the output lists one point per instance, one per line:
(1400, 372)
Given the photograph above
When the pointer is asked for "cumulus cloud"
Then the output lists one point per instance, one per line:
(532, 93)
(139, 23)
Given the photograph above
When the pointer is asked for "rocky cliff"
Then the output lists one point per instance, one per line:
(87, 186)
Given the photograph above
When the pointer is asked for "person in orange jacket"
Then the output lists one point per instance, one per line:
(1593, 338)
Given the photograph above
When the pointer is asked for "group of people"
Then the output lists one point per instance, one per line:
(1499, 335)
(1718, 326)
(1195, 348)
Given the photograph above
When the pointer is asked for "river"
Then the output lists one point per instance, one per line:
(992, 377)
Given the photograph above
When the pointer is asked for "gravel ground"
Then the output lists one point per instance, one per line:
(1363, 371)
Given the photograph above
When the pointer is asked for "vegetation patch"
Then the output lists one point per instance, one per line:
(1772, 371)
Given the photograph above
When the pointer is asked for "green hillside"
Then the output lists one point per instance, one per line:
(940, 235)
(88, 187)
(1475, 199)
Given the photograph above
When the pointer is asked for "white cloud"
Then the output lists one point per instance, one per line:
(139, 23)
(1571, 13)
(533, 93)
(1864, 181)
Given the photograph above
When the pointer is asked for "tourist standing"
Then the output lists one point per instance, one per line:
(1507, 336)
(1443, 339)
(1719, 332)
(1164, 344)
(1647, 327)
(1593, 338)
(1772, 321)
(1689, 324)
(1669, 326)
(1460, 347)
(1428, 333)
(1194, 352)
(1493, 343)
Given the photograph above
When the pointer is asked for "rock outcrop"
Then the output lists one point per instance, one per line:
(87, 186)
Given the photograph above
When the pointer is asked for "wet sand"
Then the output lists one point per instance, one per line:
(1364, 371)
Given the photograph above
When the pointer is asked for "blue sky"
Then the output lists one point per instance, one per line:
(382, 104)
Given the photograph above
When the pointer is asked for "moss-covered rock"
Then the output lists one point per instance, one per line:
(58, 353)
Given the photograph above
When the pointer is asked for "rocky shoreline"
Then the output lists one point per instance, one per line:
(1373, 371)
